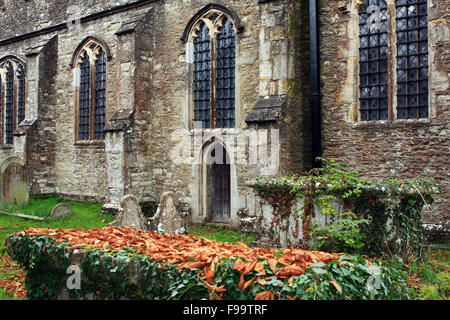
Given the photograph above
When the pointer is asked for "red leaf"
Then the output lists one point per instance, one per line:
(267, 295)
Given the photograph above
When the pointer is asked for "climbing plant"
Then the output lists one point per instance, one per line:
(129, 274)
(361, 215)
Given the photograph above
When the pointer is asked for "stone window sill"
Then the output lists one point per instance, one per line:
(6, 146)
(90, 143)
(397, 123)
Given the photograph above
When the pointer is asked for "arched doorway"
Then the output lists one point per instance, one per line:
(214, 185)
(220, 184)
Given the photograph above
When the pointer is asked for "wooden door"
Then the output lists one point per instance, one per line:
(220, 191)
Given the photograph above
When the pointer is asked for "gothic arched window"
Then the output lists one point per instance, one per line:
(12, 97)
(90, 62)
(214, 51)
(9, 103)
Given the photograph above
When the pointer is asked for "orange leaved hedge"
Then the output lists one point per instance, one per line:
(126, 263)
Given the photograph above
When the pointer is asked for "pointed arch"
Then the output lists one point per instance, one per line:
(212, 47)
(12, 96)
(90, 44)
(209, 8)
(13, 59)
(90, 65)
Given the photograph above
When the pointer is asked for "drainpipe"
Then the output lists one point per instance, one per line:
(316, 96)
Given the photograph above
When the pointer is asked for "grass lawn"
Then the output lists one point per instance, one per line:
(430, 278)
(86, 215)
(220, 233)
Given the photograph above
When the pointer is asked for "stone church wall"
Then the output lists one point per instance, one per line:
(401, 148)
(149, 72)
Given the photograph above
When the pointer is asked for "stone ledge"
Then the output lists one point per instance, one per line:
(267, 109)
(120, 121)
(90, 143)
(397, 123)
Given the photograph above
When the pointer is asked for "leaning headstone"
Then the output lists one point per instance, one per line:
(61, 210)
(169, 218)
(130, 214)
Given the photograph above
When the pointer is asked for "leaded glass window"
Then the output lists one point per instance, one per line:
(9, 104)
(373, 61)
(412, 59)
(91, 61)
(225, 76)
(202, 77)
(85, 85)
(214, 72)
(12, 97)
(100, 95)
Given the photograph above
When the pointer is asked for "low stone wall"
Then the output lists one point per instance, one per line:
(288, 232)
(388, 213)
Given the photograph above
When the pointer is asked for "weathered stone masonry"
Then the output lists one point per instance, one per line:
(402, 148)
(148, 95)
(149, 82)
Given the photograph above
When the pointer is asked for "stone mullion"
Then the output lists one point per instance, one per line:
(77, 105)
(213, 82)
(92, 100)
(15, 103)
(392, 61)
(2, 93)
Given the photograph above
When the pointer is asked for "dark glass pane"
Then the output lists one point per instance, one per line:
(412, 35)
(412, 61)
(402, 63)
(412, 101)
(423, 87)
(423, 112)
(412, 48)
(401, 25)
(364, 104)
(402, 37)
(423, 101)
(401, 101)
(402, 50)
(401, 113)
(412, 87)
(412, 75)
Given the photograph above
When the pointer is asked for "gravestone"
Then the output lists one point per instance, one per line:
(61, 210)
(130, 214)
(13, 182)
(168, 217)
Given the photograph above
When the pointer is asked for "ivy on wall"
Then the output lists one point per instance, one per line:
(377, 217)
(127, 274)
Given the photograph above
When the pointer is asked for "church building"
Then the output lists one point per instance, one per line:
(105, 98)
